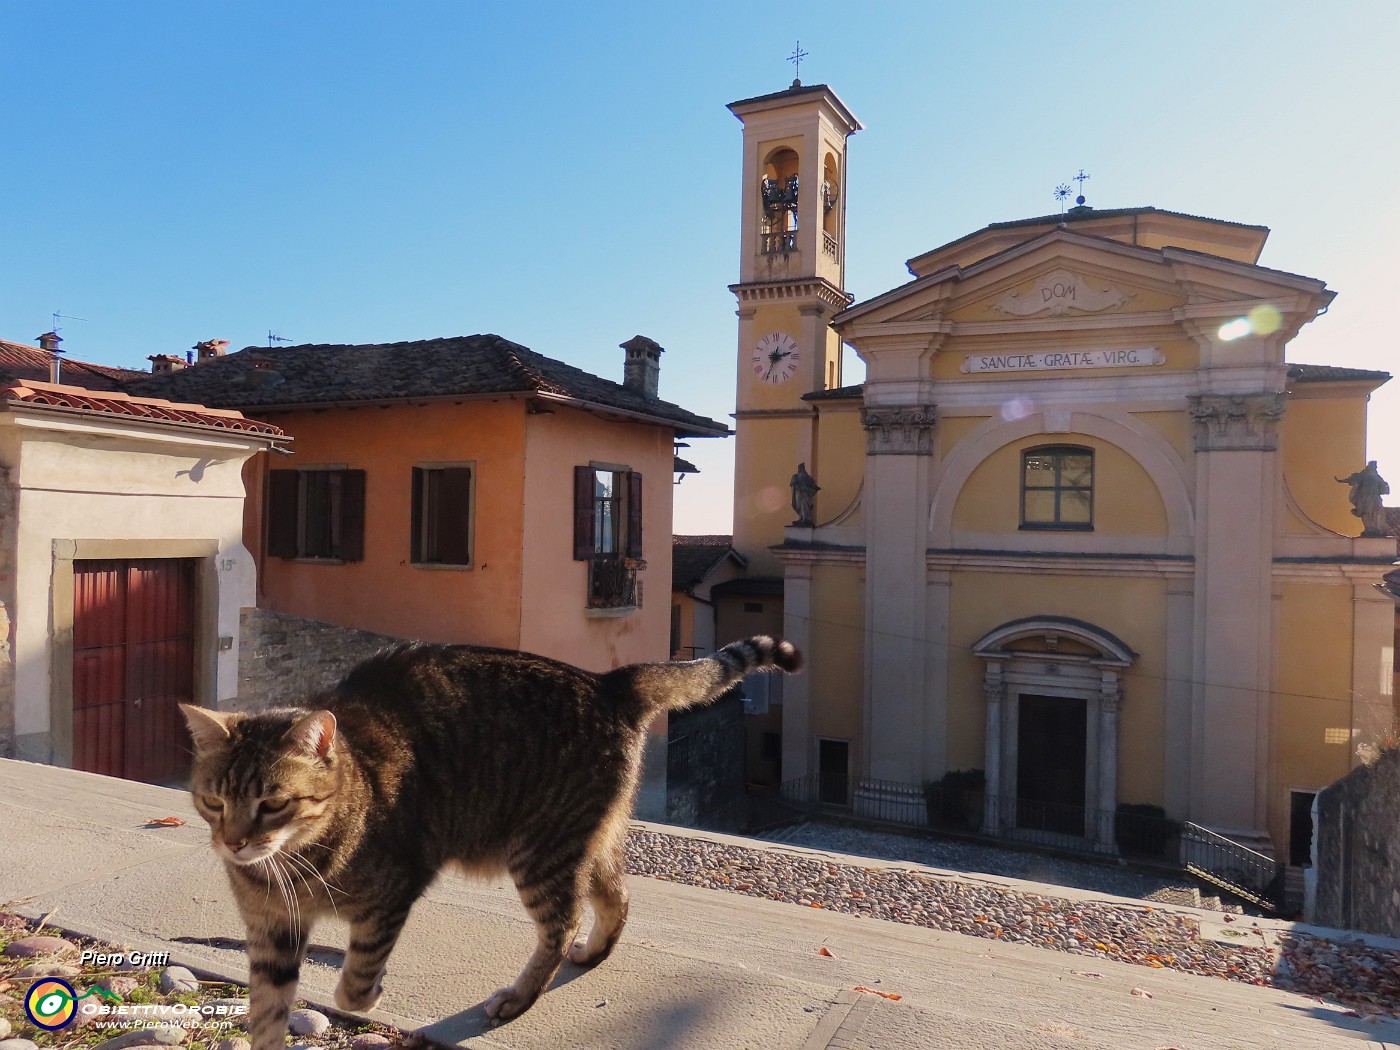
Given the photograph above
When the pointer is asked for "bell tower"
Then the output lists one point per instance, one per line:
(792, 276)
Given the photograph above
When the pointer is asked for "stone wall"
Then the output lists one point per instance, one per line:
(7, 603)
(705, 765)
(1357, 850)
(285, 660)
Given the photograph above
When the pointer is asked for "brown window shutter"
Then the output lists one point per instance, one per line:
(282, 513)
(634, 514)
(352, 515)
(454, 516)
(416, 519)
(583, 513)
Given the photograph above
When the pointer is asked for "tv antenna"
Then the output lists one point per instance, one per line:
(272, 338)
(58, 315)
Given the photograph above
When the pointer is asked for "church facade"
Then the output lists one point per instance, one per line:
(1080, 528)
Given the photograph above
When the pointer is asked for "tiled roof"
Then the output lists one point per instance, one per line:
(116, 404)
(324, 374)
(20, 364)
(1332, 374)
(839, 393)
(693, 557)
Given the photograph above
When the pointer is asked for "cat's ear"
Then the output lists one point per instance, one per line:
(314, 734)
(208, 728)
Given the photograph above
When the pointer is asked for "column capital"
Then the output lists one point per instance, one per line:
(899, 430)
(1236, 422)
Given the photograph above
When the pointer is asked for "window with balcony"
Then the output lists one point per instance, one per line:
(608, 533)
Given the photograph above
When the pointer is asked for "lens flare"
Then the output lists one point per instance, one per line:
(1236, 329)
(1017, 408)
(1265, 318)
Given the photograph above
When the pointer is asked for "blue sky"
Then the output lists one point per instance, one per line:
(568, 176)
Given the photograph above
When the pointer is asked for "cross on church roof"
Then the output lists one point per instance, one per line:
(1080, 178)
(796, 59)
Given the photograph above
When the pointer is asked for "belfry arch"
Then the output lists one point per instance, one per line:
(1045, 668)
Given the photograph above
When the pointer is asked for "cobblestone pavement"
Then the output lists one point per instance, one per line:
(1364, 978)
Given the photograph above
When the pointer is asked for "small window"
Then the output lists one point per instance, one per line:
(316, 514)
(1057, 488)
(753, 607)
(607, 513)
(442, 515)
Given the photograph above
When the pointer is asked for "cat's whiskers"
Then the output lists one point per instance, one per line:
(306, 867)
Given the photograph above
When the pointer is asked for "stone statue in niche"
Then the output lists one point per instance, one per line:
(804, 496)
(1367, 488)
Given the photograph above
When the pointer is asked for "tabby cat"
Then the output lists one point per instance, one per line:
(427, 756)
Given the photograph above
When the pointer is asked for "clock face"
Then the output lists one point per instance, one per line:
(776, 357)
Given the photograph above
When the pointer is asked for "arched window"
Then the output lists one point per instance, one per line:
(1057, 487)
(779, 187)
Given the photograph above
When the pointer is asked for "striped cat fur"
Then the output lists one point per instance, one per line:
(434, 756)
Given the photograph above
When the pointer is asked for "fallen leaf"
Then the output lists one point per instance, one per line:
(165, 822)
(1086, 973)
(1141, 993)
(823, 951)
(882, 995)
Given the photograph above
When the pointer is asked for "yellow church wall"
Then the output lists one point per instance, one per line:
(953, 429)
(836, 654)
(840, 461)
(767, 448)
(1133, 609)
(1312, 716)
(1322, 439)
(1174, 427)
(1126, 502)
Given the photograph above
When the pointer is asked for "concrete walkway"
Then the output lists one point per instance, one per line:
(696, 969)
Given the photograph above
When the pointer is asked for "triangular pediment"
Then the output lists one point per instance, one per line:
(1062, 277)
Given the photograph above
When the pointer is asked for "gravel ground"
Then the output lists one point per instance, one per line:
(1364, 978)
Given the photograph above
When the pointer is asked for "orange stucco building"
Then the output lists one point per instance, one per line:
(461, 490)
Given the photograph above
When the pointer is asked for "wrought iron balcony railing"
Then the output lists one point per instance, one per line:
(613, 583)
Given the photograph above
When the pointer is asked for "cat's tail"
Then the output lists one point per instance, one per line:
(685, 683)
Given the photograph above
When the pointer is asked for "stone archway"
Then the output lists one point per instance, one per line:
(1053, 658)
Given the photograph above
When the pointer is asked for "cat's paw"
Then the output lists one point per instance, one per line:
(580, 955)
(347, 1000)
(508, 1003)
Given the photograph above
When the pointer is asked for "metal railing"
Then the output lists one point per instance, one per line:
(1232, 866)
(612, 584)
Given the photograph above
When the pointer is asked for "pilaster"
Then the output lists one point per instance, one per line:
(897, 483)
(1235, 440)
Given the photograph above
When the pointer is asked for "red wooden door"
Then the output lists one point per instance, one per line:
(133, 662)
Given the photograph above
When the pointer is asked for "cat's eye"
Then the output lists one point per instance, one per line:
(273, 805)
(212, 802)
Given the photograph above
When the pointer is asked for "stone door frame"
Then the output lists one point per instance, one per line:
(1011, 672)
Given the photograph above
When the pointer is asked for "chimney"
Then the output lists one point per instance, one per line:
(641, 371)
(49, 341)
(163, 363)
(210, 349)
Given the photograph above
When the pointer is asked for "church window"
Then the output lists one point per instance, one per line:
(1057, 488)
